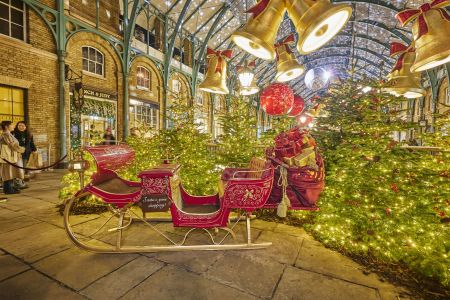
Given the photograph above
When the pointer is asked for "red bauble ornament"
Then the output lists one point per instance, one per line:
(298, 106)
(277, 99)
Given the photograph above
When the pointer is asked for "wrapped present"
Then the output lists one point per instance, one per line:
(285, 152)
(289, 161)
(306, 158)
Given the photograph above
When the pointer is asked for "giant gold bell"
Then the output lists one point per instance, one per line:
(316, 21)
(403, 82)
(288, 67)
(432, 48)
(258, 36)
(216, 76)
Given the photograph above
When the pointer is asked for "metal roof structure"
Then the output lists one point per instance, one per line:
(360, 50)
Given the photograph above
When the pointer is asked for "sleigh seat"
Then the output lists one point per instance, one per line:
(105, 182)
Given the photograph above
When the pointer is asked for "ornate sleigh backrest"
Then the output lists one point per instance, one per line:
(110, 158)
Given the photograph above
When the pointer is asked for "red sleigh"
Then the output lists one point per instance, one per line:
(160, 189)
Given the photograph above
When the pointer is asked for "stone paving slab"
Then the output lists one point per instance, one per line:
(35, 242)
(117, 283)
(246, 273)
(10, 224)
(9, 266)
(284, 249)
(304, 285)
(32, 285)
(195, 261)
(178, 284)
(78, 268)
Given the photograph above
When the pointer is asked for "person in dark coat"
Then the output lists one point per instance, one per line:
(108, 137)
(25, 138)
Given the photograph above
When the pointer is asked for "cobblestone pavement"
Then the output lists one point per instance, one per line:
(37, 261)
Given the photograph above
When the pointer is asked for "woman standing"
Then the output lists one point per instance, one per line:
(10, 148)
(25, 139)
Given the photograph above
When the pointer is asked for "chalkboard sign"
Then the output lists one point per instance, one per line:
(154, 203)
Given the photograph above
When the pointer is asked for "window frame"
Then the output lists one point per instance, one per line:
(147, 112)
(95, 62)
(149, 79)
(10, 22)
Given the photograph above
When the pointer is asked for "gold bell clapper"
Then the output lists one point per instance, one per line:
(216, 75)
(258, 36)
(247, 79)
(401, 81)
(431, 34)
(288, 67)
(317, 21)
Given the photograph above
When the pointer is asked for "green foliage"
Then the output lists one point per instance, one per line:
(381, 199)
(239, 141)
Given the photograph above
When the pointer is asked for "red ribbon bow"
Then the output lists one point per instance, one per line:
(250, 65)
(286, 42)
(220, 55)
(399, 48)
(258, 8)
(410, 15)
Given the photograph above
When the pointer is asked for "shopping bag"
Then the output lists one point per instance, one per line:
(35, 160)
(8, 154)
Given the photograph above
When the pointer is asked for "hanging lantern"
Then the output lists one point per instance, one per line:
(245, 74)
(317, 21)
(401, 81)
(288, 67)
(216, 76)
(431, 34)
(298, 106)
(258, 36)
(277, 99)
(247, 79)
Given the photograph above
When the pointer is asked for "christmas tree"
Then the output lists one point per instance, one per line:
(238, 143)
(380, 199)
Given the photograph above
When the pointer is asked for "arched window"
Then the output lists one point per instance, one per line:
(93, 60)
(143, 78)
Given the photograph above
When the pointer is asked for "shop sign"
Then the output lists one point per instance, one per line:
(102, 95)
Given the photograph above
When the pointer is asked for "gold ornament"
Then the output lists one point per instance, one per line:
(316, 21)
(431, 34)
(401, 81)
(258, 36)
(288, 67)
(216, 75)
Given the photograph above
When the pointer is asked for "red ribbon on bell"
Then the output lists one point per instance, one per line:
(251, 65)
(258, 8)
(399, 48)
(221, 55)
(290, 39)
(410, 15)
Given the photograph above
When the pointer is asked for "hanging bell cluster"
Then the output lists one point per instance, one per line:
(216, 75)
(431, 34)
(316, 21)
(288, 67)
(247, 80)
(401, 81)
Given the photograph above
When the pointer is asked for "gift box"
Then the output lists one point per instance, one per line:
(306, 159)
(285, 152)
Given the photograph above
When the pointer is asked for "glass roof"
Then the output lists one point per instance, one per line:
(361, 49)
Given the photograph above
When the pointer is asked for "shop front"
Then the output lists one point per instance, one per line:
(144, 116)
(97, 114)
